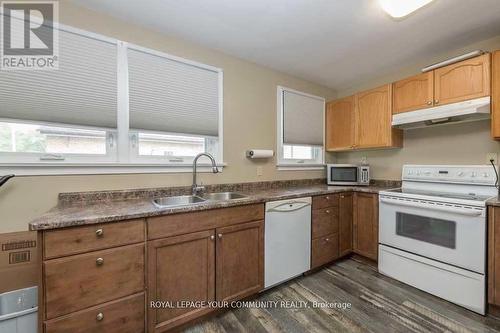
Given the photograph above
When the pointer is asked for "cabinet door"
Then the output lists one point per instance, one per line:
(240, 260)
(340, 124)
(374, 119)
(180, 268)
(494, 256)
(345, 223)
(495, 96)
(416, 92)
(366, 225)
(462, 81)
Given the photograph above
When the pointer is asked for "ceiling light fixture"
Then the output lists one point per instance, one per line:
(401, 8)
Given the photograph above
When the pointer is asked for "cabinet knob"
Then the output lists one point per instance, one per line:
(429, 103)
(100, 316)
(212, 237)
(327, 198)
(99, 232)
(327, 211)
(327, 239)
(219, 235)
(436, 101)
(342, 196)
(99, 261)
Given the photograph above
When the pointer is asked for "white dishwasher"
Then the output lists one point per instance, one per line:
(287, 240)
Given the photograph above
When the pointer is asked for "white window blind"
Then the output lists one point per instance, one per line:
(83, 91)
(172, 96)
(302, 119)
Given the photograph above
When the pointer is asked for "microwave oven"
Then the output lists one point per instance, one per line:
(347, 174)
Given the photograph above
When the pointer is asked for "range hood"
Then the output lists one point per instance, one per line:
(471, 110)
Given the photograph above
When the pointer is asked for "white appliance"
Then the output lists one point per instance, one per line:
(432, 231)
(287, 240)
(347, 174)
(471, 110)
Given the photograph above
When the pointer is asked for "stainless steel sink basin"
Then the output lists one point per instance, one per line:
(181, 200)
(221, 196)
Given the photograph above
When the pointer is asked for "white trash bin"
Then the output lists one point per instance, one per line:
(18, 311)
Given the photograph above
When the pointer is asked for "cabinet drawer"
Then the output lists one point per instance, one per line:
(324, 250)
(64, 242)
(325, 221)
(178, 224)
(78, 282)
(122, 316)
(323, 201)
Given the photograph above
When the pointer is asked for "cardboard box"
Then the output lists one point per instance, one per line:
(18, 260)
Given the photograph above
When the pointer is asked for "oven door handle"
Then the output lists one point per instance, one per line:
(452, 210)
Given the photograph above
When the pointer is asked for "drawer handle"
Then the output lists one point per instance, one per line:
(99, 232)
(99, 261)
(99, 316)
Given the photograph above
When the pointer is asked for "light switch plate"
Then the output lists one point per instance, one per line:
(492, 156)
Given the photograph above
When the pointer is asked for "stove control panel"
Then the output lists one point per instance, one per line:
(467, 174)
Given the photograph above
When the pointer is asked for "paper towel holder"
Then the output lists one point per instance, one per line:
(259, 153)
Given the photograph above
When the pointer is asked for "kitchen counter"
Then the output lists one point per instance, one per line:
(69, 213)
(493, 202)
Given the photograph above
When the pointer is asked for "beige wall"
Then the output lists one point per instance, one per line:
(249, 122)
(466, 143)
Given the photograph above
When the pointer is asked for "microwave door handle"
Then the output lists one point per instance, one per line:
(459, 211)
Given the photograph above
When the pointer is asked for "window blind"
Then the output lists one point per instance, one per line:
(302, 119)
(171, 96)
(83, 91)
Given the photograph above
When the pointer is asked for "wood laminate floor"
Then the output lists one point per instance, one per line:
(379, 304)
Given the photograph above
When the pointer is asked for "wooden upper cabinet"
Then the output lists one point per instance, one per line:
(495, 96)
(340, 124)
(416, 92)
(462, 81)
(240, 260)
(374, 119)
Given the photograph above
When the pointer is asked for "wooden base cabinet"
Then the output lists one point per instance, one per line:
(180, 268)
(494, 256)
(222, 264)
(365, 225)
(345, 223)
(324, 229)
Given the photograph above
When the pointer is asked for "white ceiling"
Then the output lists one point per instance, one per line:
(337, 43)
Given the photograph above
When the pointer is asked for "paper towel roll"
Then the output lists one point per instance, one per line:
(260, 153)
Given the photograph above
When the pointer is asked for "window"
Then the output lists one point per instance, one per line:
(175, 108)
(110, 103)
(69, 114)
(300, 129)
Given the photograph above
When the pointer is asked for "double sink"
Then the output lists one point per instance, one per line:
(183, 200)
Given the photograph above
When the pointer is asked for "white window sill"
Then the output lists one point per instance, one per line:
(300, 167)
(53, 169)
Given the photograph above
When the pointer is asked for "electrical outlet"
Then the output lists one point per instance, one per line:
(260, 172)
(492, 156)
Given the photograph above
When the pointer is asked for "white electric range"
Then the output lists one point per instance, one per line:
(432, 231)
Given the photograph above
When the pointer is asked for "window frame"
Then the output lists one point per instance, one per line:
(119, 159)
(296, 164)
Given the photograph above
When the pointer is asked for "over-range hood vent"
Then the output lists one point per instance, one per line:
(472, 110)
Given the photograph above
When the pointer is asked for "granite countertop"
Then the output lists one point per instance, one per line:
(81, 212)
(494, 202)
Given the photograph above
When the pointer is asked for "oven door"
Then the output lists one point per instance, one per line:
(453, 234)
(343, 175)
